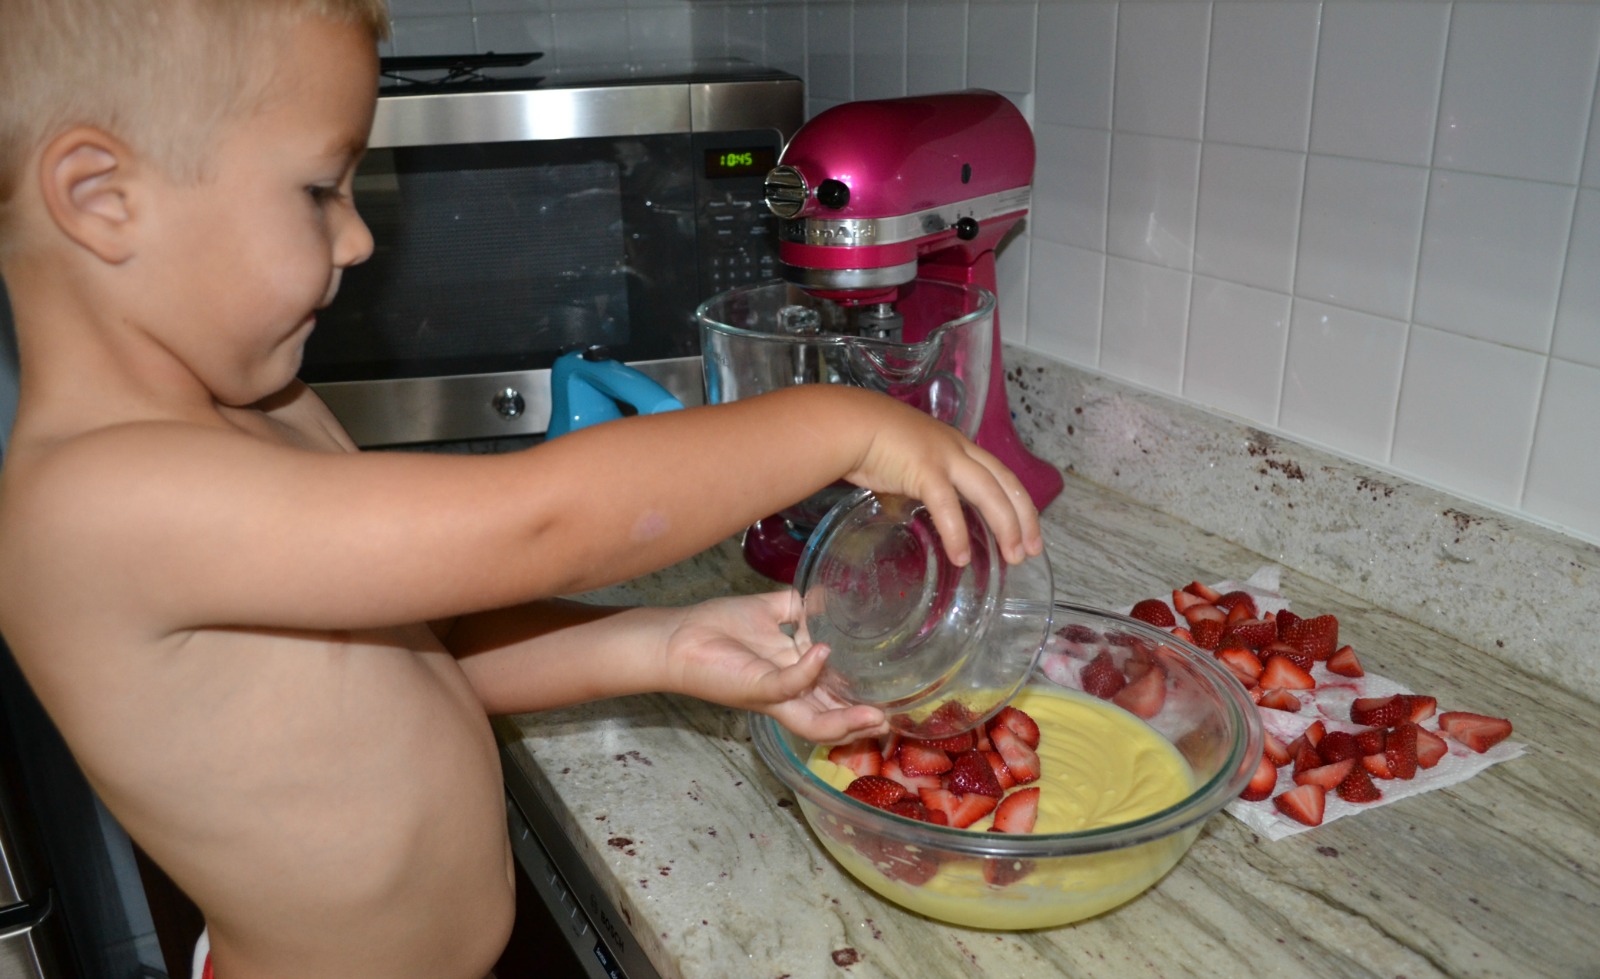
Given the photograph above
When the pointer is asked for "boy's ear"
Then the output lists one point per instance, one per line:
(85, 175)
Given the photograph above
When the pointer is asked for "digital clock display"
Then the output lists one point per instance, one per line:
(740, 161)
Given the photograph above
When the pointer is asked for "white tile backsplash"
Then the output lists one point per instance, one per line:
(1249, 214)
(1378, 74)
(1073, 79)
(1154, 187)
(1161, 68)
(1578, 314)
(1424, 283)
(1143, 324)
(999, 48)
(1341, 379)
(1518, 80)
(1360, 232)
(1234, 357)
(1564, 473)
(1492, 254)
(1258, 84)
(1467, 410)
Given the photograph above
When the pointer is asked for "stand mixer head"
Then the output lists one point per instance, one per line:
(874, 195)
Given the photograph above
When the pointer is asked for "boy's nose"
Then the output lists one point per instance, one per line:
(353, 244)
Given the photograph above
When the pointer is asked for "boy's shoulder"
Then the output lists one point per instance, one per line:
(66, 482)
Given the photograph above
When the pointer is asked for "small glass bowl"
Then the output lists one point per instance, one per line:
(939, 648)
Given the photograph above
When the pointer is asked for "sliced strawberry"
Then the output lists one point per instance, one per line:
(1181, 633)
(1380, 711)
(972, 807)
(1250, 633)
(1154, 611)
(1279, 699)
(1477, 731)
(1277, 751)
(1101, 678)
(1286, 621)
(1232, 600)
(1205, 612)
(1306, 758)
(1345, 663)
(1279, 672)
(1184, 600)
(891, 771)
(1317, 637)
(1207, 634)
(1421, 706)
(1017, 812)
(1242, 663)
(1017, 722)
(1262, 782)
(891, 745)
(1203, 591)
(1314, 733)
(916, 758)
(1021, 761)
(1370, 740)
(1238, 614)
(1400, 750)
(971, 774)
(1005, 871)
(1290, 652)
(875, 790)
(960, 811)
(949, 718)
(954, 744)
(1303, 804)
(1143, 697)
(1002, 774)
(1430, 748)
(860, 756)
(1338, 746)
(1358, 787)
(900, 861)
(1328, 776)
(1377, 765)
(912, 808)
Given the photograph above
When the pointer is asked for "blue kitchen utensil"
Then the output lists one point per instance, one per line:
(587, 387)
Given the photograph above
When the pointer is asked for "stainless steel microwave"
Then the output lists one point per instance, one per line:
(517, 217)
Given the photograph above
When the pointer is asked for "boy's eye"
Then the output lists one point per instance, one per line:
(323, 194)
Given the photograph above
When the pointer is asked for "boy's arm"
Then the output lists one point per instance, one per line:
(200, 526)
(729, 651)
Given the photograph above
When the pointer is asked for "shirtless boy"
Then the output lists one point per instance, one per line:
(275, 656)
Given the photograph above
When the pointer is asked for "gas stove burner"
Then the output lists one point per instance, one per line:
(456, 68)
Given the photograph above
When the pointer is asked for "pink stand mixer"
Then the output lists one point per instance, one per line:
(885, 207)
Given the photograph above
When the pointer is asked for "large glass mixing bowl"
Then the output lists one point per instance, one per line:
(933, 350)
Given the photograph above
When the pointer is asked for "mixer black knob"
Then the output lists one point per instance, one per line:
(967, 228)
(833, 193)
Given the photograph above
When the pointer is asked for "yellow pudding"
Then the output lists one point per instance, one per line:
(1101, 766)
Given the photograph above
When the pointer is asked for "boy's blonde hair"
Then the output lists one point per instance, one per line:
(160, 75)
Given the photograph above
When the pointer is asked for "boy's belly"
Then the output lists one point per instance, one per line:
(335, 808)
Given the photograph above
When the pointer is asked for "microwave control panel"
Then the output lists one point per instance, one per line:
(738, 235)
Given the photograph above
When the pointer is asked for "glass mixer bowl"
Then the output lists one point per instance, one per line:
(932, 350)
(939, 648)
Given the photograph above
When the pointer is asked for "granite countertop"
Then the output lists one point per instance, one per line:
(704, 853)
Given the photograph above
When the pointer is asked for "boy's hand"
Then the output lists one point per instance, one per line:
(733, 651)
(914, 455)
